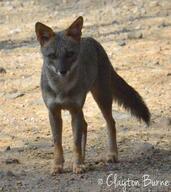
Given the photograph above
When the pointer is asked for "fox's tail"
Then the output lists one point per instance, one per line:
(129, 98)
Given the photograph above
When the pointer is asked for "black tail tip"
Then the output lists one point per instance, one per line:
(147, 118)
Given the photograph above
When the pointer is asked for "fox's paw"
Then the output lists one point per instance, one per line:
(112, 158)
(78, 168)
(57, 169)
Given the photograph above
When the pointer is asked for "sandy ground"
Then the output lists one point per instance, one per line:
(137, 37)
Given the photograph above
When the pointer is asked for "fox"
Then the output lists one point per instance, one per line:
(72, 67)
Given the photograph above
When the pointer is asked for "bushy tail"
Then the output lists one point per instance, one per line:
(129, 98)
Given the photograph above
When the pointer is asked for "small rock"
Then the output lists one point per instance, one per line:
(23, 173)
(168, 74)
(117, 68)
(2, 174)
(124, 30)
(154, 4)
(162, 25)
(26, 143)
(81, 176)
(8, 148)
(15, 31)
(72, 178)
(10, 174)
(2, 70)
(14, 95)
(100, 164)
(156, 63)
(11, 161)
(135, 35)
(38, 102)
(20, 150)
(65, 1)
(121, 43)
(34, 148)
(115, 22)
(125, 129)
(138, 27)
(19, 182)
(143, 148)
(2, 94)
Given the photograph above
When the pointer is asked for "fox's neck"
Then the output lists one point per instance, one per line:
(63, 84)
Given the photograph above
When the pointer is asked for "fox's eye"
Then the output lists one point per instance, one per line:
(69, 54)
(52, 56)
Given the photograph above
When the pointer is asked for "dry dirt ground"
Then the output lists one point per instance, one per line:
(137, 37)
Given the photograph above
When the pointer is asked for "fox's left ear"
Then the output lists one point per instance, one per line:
(74, 31)
(43, 32)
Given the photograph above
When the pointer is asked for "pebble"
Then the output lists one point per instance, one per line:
(81, 176)
(10, 174)
(11, 161)
(8, 148)
(125, 129)
(19, 182)
(156, 63)
(135, 35)
(2, 174)
(115, 22)
(15, 31)
(162, 25)
(14, 95)
(38, 102)
(154, 4)
(121, 43)
(143, 148)
(20, 150)
(2, 70)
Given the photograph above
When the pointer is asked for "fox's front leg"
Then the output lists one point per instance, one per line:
(79, 127)
(56, 126)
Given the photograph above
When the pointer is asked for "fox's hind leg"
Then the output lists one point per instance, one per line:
(103, 97)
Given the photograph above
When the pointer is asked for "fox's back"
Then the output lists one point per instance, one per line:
(95, 59)
(88, 61)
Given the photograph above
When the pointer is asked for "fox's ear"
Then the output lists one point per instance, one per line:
(43, 32)
(75, 28)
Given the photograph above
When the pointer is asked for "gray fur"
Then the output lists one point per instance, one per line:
(73, 66)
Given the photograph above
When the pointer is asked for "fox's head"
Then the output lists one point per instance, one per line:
(60, 50)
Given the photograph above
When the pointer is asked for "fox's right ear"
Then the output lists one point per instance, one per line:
(43, 32)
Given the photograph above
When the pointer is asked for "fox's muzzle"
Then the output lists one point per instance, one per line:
(62, 73)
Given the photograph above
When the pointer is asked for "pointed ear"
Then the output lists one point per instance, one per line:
(75, 28)
(43, 32)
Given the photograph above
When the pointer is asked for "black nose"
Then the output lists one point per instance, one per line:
(63, 72)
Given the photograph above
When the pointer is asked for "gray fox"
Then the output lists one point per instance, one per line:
(73, 66)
